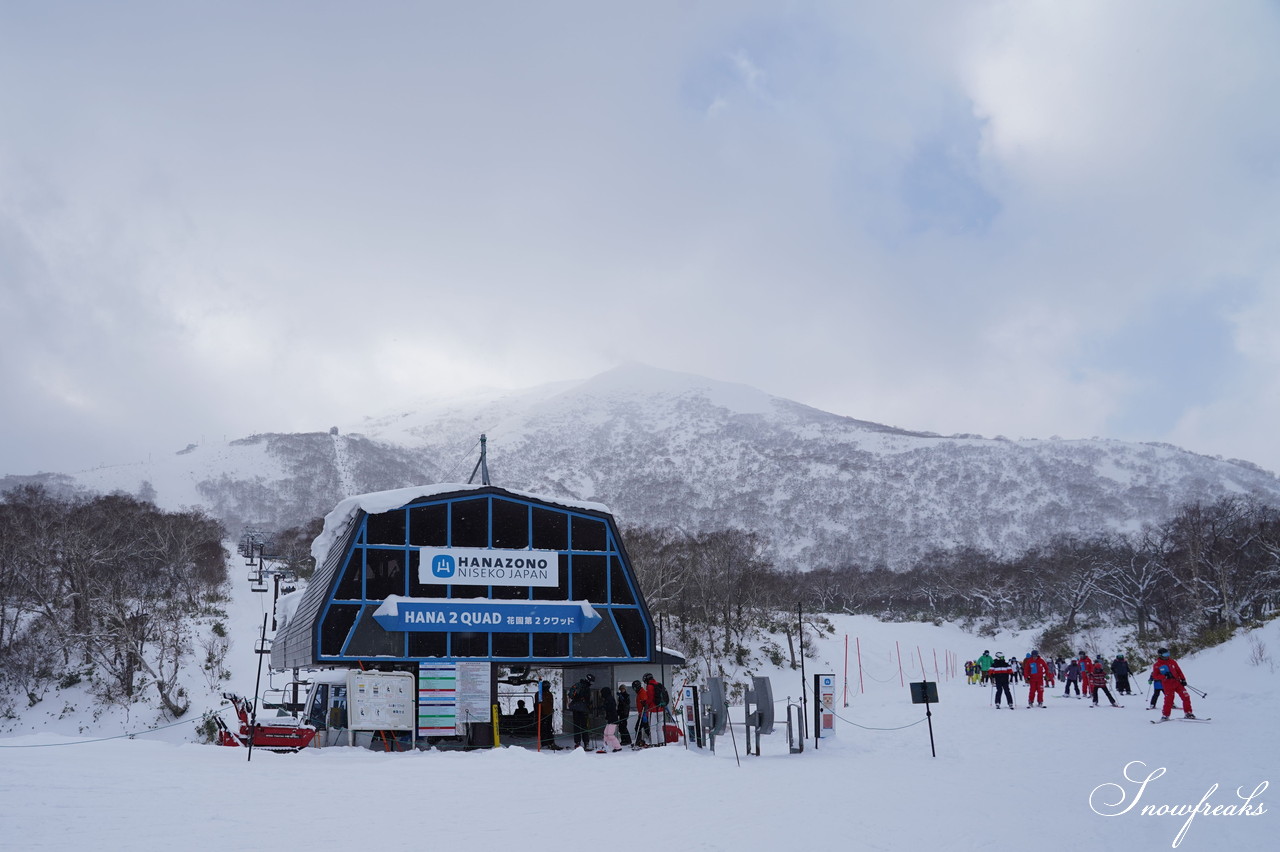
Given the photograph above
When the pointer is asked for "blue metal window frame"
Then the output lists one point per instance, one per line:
(360, 545)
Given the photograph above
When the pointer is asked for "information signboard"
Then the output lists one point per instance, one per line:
(924, 692)
(825, 689)
(437, 699)
(381, 701)
(474, 692)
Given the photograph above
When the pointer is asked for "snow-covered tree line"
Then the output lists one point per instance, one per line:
(716, 596)
(105, 590)
(1196, 577)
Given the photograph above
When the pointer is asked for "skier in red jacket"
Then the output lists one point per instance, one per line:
(642, 715)
(1035, 669)
(1086, 666)
(1168, 674)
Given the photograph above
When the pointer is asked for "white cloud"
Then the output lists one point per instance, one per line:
(932, 215)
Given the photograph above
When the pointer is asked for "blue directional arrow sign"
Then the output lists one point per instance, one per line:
(441, 615)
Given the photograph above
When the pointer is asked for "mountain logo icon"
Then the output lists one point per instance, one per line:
(443, 566)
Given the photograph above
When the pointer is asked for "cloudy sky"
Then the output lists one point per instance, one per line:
(1014, 218)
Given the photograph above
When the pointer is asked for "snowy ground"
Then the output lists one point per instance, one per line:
(1042, 779)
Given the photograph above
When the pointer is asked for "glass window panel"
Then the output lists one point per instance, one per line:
(589, 534)
(429, 525)
(510, 593)
(386, 528)
(511, 644)
(601, 642)
(384, 573)
(426, 590)
(551, 645)
(350, 588)
(631, 625)
(550, 529)
(370, 640)
(510, 524)
(470, 644)
(428, 644)
(618, 585)
(559, 592)
(470, 526)
(337, 624)
(590, 578)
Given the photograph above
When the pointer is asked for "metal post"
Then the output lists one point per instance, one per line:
(662, 666)
(804, 701)
(928, 714)
(275, 600)
(253, 717)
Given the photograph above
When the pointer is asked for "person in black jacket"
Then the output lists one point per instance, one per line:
(522, 721)
(580, 708)
(624, 713)
(545, 705)
(1120, 670)
(609, 706)
(999, 674)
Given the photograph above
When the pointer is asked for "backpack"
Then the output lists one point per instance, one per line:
(579, 697)
(660, 696)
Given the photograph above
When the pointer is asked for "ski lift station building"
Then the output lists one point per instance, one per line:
(463, 573)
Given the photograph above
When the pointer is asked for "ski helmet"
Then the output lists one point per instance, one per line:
(1164, 652)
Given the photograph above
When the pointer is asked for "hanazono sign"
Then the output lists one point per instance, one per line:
(477, 566)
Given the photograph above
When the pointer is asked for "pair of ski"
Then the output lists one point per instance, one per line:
(1181, 719)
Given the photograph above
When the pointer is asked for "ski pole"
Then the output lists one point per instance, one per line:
(1196, 691)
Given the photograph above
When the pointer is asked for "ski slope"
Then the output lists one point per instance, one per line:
(1052, 779)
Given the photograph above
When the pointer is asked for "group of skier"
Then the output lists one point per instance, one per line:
(1166, 678)
(600, 713)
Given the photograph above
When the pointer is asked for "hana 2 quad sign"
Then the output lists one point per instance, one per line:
(442, 615)
(478, 566)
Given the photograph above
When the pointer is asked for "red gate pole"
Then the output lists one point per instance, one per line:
(858, 647)
(902, 681)
(846, 670)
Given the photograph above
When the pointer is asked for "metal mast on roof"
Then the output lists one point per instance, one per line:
(482, 465)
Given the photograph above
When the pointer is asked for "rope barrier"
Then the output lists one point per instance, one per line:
(876, 679)
(130, 735)
(808, 690)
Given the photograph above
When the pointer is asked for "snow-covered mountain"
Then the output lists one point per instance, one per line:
(671, 449)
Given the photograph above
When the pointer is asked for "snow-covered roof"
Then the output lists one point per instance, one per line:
(336, 522)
